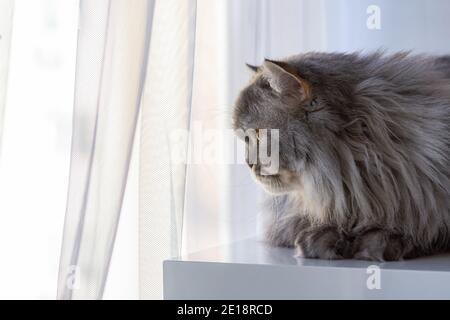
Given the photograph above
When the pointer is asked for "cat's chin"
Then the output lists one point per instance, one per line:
(276, 184)
(272, 184)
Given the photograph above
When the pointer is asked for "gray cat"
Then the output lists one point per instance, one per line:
(364, 153)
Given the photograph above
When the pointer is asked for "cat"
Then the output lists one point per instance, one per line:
(364, 152)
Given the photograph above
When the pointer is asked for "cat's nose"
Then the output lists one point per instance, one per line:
(249, 159)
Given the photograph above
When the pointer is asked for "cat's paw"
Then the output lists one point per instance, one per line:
(322, 243)
(381, 245)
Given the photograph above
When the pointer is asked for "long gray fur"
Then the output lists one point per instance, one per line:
(364, 153)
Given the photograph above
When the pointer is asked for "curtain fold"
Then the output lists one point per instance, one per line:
(113, 42)
(166, 116)
(6, 19)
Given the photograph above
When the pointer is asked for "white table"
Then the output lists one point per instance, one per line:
(252, 270)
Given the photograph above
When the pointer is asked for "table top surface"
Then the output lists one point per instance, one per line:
(254, 251)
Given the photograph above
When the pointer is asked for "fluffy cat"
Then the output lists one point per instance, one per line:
(364, 153)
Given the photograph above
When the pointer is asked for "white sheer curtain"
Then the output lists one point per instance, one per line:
(130, 54)
(166, 108)
(113, 42)
(6, 16)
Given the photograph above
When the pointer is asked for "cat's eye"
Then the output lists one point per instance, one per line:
(257, 134)
(265, 84)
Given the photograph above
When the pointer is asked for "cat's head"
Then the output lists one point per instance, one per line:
(279, 96)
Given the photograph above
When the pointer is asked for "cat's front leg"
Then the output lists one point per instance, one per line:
(382, 245)
(323, 242)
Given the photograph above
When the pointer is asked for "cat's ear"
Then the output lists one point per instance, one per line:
(283, 78)
(252, 68)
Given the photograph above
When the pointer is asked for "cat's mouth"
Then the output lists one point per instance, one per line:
(283, 182)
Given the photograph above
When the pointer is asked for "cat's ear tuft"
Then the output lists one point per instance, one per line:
(281, 64)
(252, 67)
(284, 78)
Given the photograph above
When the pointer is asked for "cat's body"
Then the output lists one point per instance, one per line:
(364, 153)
